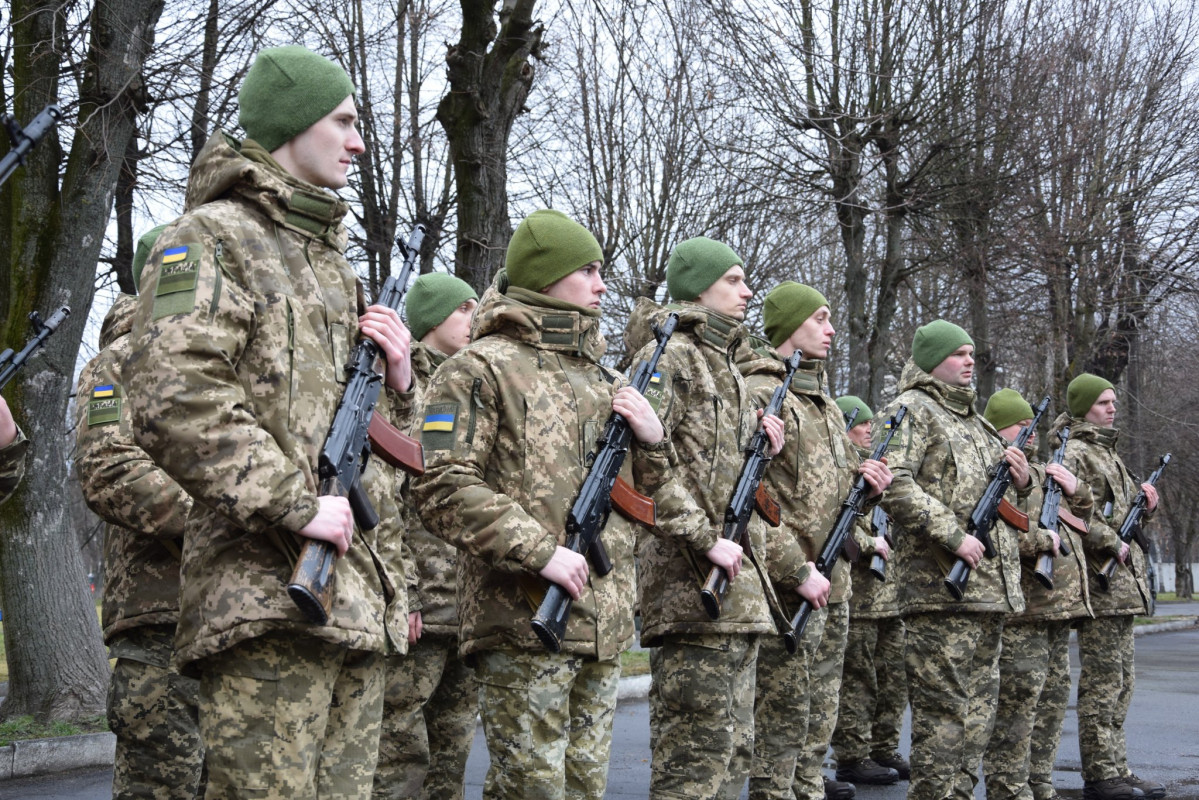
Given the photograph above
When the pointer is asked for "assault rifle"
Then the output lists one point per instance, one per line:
(1130, 528)
(23, 139)
(1051, 511)
(745, 495)
(842, 530)
(347, 448)
(601, 490)
(987, 509)
(11, 361)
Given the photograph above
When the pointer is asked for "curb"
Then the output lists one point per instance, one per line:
(31, 757)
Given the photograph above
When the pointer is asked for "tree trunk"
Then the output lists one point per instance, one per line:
(489, 75)
(57, 664)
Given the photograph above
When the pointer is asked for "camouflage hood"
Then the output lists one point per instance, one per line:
(707, 325)
(227, 167)
(958, 399)
(1083, 431)
(538, 320)
(118, 321)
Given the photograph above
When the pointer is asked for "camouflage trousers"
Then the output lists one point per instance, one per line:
(952, 664)
(1023, 670)
(1105, 684)
(824, 697)
(548, 722)
(1051, 712)
(429, 710)
(780, 717)
(874, 691)
(290, 717)
(152, 711)
(701, 715)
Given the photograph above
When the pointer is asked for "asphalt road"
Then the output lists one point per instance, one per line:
(1162, 728)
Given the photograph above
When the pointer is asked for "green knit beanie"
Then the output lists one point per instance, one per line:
(696, 264)
(144, 246)
(432, 298)
(848, 403)
(934, 342)
(787, 307)
(287, 90)
(1082, 393)
(1007, 407)
(546, 246)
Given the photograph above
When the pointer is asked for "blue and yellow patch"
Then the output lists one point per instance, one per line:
(655, 390)
(441, 420)
(178, 273)
(103, 391)
(438, 422)
(104, 405)
(175, 254)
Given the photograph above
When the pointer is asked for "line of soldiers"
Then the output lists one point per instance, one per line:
(199, 427)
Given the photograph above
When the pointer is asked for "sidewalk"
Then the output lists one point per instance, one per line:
(32, 757)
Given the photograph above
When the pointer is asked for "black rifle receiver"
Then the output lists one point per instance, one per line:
(11, 361)
(1051, 508)
(1130, 528)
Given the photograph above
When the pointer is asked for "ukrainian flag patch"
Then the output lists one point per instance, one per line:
(104, 406)
(178, 272)
(437, 432)
(103, 391)
(175, 254)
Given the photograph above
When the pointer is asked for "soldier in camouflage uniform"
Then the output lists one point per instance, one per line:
(874, 688)
(810, 478)
(1031, 707)
(510, 424)
(701, 700)
(13, 445)
(941, 459)
(151, 707)
(1105, 643)
(247, 316)
(431, 701)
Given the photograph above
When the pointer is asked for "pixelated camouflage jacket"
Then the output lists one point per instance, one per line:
(872, 598)
(511, 423)
(247, 313)
(941, 460)
(817, 466)
(1091, 455)
(145, 509)
(705, 408)
(432, 583)
(12, 465)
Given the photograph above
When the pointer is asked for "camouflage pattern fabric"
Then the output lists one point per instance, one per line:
(152, 711)
(1051, 712)
(953, 683)
(548, 722)
(291, 718)
(247, 314)
(1105, 686)
(824, 692)
(1023, 670)
(12, 465)
(701, 723)
(874, 689)
(780, 717)
(940, 459)
(145, 509)
(428, 722)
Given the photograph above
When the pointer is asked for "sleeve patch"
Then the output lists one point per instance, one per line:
(178, 271)
(104, 406)
(441, 421)
(656, 389)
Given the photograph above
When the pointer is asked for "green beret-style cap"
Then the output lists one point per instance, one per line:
(936, 341)
(287, 90)
(848, 403)
(1007, 407)
(1082, 393)
(787, 307)
(144, 246)
(432, 298)
(546, 246)
(696, 264)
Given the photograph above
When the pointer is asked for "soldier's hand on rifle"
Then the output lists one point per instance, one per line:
(632, 405)
(1150, 496)
(333, 523)
(568, 569)
(416, 627)
(726, 554)
(971, 551)
(1057, 542)
(815, 589)
(1124, 551)
(385, 329)
(1064, 477)
(774, 432)
(881, 548)
(877, 474)
(1015, 457)
(8, 428)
